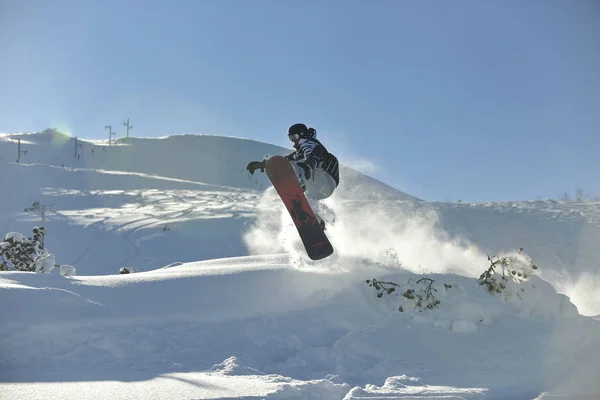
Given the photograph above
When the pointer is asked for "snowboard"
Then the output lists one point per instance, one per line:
(284, 180)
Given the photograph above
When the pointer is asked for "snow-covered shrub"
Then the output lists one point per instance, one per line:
(67, 270)
(515, 268)
(126, 270)
(423, 295)
(19, 253)
(420, 292)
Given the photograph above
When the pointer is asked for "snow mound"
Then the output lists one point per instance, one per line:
(404, 387)
(326, 335)
(232, 366)
(67, 270)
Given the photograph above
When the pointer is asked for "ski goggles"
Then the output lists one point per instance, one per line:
(294, 137)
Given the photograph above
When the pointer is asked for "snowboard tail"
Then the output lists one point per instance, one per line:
(284, 180)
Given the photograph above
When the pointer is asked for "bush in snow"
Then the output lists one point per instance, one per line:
(126, 270)
(19, 253)
(580, 195)
(420, 292)
(515, 268)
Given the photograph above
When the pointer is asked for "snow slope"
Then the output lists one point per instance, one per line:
(229, 307)
(120, 197)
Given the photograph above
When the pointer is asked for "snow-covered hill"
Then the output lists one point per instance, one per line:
(228, 306)
(120, 197)
(208, 159)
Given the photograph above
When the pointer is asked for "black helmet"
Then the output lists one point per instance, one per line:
(302, 131)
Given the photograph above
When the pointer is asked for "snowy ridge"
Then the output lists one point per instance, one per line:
(200, 158)
(227, 305)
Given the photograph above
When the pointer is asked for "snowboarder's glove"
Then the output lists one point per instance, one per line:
(254, 165)
(307, 170)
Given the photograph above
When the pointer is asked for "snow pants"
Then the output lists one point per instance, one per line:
(320, 186)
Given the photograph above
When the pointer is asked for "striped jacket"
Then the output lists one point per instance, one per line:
(315, 155)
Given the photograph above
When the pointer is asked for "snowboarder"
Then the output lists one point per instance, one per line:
(316, 168)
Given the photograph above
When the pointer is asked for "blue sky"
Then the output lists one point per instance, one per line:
(465, 100)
